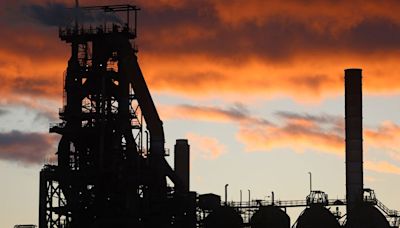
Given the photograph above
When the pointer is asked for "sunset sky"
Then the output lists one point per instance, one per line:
(256, 86)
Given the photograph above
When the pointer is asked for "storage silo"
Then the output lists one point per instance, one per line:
(209, 201)
(223, 217)
(317, 216)
(367, 216)
(270, 217)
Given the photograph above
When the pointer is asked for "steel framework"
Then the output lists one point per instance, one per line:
(111, 169)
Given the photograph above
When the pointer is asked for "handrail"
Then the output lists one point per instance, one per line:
(389, 212)
(394, 214)
(89, 30)
(283, 203)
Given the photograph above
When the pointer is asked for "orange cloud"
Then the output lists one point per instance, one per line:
(299, 132)
(385, 138)
(386, 134)
(197, 113)
(32, 63)
(296, 131)
(237, 113)
(205, 147)
(188, 48)
(295, 137)
(205, 78)
(382, 167)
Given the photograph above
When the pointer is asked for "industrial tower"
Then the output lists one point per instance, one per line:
(111, 169)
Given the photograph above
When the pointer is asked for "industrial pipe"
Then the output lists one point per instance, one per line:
(226, 194)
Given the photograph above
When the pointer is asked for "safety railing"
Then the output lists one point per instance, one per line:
(281, 203)
(389, 212)
(101, 29)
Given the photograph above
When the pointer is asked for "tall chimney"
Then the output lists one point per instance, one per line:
(354, 139)
(182, 162)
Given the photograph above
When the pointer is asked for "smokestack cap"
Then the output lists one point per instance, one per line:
(181, 141)
(353, 71)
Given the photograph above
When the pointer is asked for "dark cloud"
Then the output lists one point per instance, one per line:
(59, 14)
(40, 87)
(33, 86)
(324, 123)
(50, 14)
(239, 110)
(322, 118)
(28, 148)
(198, 28)
(373, 34)
(276, 39)
(299, 131)
(236, 113)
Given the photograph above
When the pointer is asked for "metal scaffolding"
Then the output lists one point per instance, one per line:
(111, 169)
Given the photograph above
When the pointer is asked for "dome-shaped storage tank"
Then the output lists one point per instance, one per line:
(367, 216)
(317, 216)
(209, 201)
(270, 217)
(223, 217)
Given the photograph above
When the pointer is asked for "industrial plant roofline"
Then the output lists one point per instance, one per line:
(82, 31)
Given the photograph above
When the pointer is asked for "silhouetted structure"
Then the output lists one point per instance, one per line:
(111, 169)
(223, 216)
(181, 162)
(361, 212)
(317, 216)
(354, 144)
(270, 216)
(109, 174)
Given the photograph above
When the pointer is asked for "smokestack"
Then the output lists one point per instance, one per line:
(182, 161)
(354, 139)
